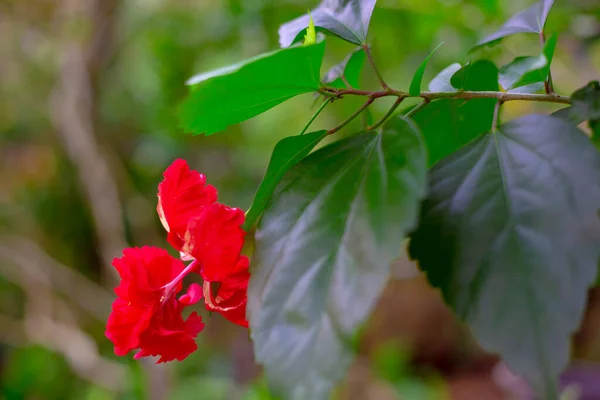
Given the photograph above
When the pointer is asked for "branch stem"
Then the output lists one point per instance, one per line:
(387, 114)
(350, 118)
(315, 115)
(417, 108)
(548, 85)
(464, 94)
(372, 62)
(496, 115)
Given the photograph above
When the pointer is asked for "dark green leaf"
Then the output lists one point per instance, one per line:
(415, 85)
(323, 252)
(287, 153)
(460, 78)
(585, 106)
(523, 71)
(531, 20)
(347, 19)
(236, 93)
(349, 69)
(568, 115)
(586, 101)
(441, 83)
(450, 123)
(510, 233)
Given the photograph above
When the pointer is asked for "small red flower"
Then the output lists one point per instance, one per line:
(229, 297)
(215, 240)
(146, 314)
(182, 195)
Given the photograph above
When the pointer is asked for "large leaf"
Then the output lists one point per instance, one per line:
(287, 153)
(510, 233)
(531, 20)
(236, 93)
(415, 84)
(323, 252)
(524, 71)
(441, 83)
(348, 70)
(449, 124)
(347, 19)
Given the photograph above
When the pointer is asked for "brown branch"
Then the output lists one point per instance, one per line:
(464, 95)
(350, 118)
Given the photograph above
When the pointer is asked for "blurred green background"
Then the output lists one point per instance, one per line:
(88, 99)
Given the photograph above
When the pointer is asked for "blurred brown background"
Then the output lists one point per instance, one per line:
(89, 90)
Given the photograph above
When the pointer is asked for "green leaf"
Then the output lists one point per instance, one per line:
(531, 20)
(585, 106)
(287, 153)
(510, 233)
(238, 92)
(441, 83)
(585, 102)
(523, 71)
(323, 252)
(347, 19)
(460, 78)
(415, 85)
(350, 69)
(449, 124)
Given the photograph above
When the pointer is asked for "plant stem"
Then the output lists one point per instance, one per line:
(372, 62)
(496, 115)
(315, 115)
(417, 108)
(387, 114)
(465, 95)
(350, 118)
(548, 85)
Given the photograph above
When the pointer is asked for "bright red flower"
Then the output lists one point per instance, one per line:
(215, 239)
(229, 297)
(182, 195)
(146, 314)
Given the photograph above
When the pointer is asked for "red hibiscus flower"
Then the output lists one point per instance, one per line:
(146, 314)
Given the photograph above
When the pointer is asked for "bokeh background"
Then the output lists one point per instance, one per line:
(88, 99)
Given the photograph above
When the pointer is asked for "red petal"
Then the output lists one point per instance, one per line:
(144, 271)
(237, 315)
(125, 325)
(168, 335)
(231, 297)
(193, 295)
(182, 195)
(215, 240)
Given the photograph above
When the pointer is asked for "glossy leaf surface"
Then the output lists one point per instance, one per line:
(323, 252)
(510, 233)
(531, 20)
(449, 124)
(524, 71)
(441, 83)
(287, 153)
(236, 93)
(347, 19)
